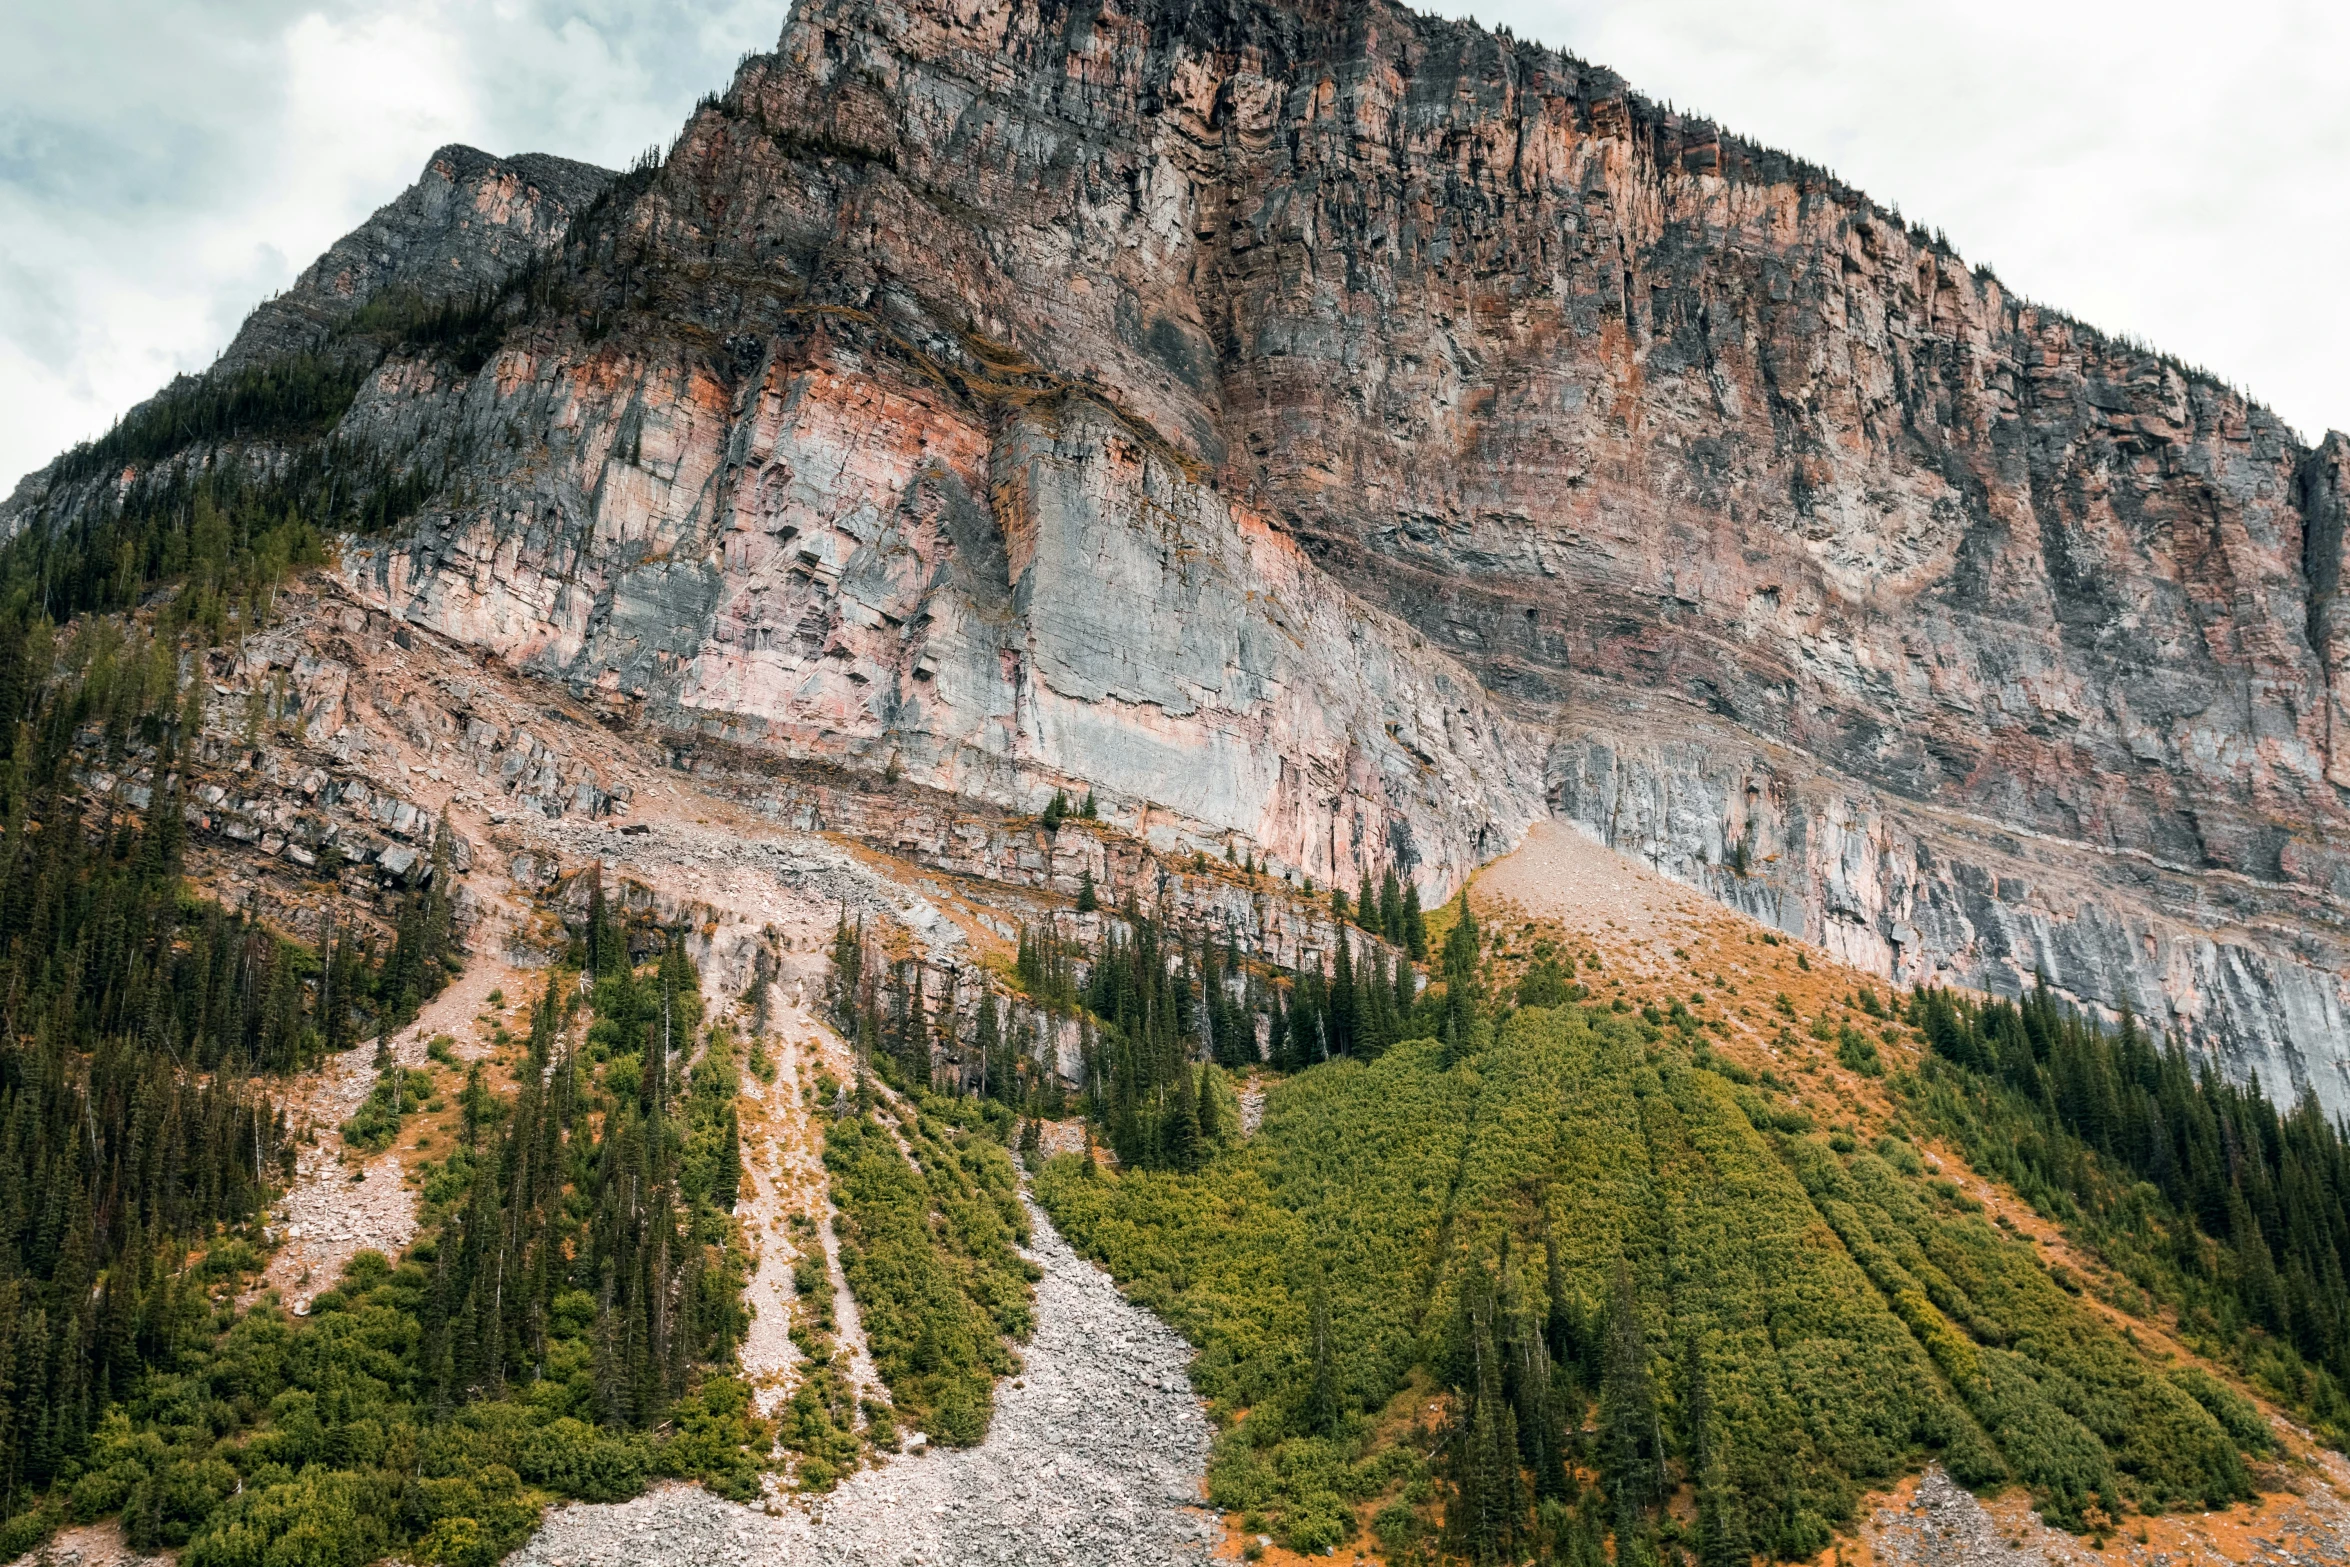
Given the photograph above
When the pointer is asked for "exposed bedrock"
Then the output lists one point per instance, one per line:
(1359, 434)
(2247, 969)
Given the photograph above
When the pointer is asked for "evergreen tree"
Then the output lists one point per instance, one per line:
(846, 979)
(1184, 1143)
(1629, 1455)
(727, 1187)
(1323, 1406)
(598, 960)
(1486, 1516)
(1462, 993)
(917, 1037)
(1343, 1016)
(1541, 1408)
(988, 1042)
(1211, 1128)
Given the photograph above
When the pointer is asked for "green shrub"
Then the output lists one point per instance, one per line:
(1851, 1318)
(1397, 1525)
(1856, 1052)
(398, 1094)
(941, 1301)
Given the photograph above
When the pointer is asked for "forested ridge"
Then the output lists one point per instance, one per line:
(142, 1029)
(563, 1327)
(2203, 1193)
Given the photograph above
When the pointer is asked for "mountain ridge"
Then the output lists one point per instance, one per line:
(1757, 532)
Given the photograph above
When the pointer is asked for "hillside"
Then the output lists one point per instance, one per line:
(1701, 1238)
(1361, 436)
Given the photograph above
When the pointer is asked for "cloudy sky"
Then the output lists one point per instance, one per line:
(2175, 171)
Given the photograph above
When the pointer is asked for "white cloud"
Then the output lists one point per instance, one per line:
(164, 166)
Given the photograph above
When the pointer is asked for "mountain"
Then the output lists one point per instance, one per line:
(894, 702)
(467, 225)
(1360, 435)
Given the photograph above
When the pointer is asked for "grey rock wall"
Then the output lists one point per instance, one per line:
(1358, 434)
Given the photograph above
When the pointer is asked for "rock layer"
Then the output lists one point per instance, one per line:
(1359, 435)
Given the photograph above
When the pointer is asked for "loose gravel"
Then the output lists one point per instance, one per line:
(1095, 1459)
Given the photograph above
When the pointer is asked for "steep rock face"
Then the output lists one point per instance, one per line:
(467, 225)
(995, 607)
(1649, 427)
(1358, 433)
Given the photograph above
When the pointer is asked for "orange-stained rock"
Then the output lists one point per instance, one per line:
(1365, 435)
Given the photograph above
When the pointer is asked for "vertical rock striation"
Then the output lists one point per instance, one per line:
(1361, 434)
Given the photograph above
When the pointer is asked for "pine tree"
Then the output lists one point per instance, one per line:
(847, 968)
(1461, 991)
(1211, 1128)
(1542, 1414)
(1721, 1536)
(917, 1037)
(1342, 997)
(1628, 1451)
(1323, 1408)
(1087, 899)
(728, 1184)
(1487, 1511)
(597, 959)
(1183, 1128)
(1415, 924)
(988, 1041)
(1367, 903)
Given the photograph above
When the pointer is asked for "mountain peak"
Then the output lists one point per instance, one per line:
(469, 222)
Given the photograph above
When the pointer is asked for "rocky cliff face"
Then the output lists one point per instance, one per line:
(467, 225)
(1358, 435)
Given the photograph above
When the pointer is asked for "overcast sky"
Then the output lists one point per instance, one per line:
(2173, 171)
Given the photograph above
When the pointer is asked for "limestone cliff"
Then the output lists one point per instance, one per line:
(467, 225)
(1359, 434)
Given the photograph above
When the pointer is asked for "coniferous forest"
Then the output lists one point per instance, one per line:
(574, 1290)
(563, 1327)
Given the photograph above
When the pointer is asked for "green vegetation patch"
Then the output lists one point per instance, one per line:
(928, 1237)
(1621, 1264)
(2200, 1194)
(561, 1329)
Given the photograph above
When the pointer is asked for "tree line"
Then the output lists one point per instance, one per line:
(139, 1029)
(2205, 1192)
